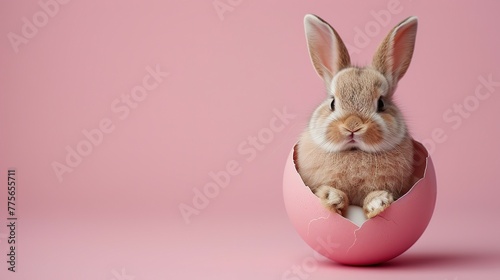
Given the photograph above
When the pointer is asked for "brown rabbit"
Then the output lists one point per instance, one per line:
(356, 149)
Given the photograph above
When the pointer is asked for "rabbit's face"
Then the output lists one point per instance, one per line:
(358, 114)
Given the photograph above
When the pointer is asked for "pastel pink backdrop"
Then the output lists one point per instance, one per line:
(117, 213)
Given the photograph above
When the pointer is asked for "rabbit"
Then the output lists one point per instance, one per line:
(356, 149)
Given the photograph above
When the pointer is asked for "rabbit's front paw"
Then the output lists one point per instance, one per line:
(332, 198)
(376, 202)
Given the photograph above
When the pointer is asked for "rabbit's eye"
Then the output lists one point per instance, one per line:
(380, 105)
(332, 106)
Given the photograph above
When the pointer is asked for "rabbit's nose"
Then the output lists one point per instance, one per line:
(353, 124)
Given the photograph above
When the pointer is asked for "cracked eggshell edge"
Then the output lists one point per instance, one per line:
(379, 239)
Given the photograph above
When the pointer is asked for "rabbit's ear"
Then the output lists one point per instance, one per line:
(328, 53)
(394, 54)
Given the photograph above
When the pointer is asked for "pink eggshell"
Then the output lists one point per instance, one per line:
(379, 239)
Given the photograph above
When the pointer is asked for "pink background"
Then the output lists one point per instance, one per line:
(117, 213)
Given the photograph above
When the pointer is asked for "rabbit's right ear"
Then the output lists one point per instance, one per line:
(394, 54)
(328, 53)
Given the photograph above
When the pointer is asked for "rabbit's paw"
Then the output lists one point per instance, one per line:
(376, 202)
(332, 198)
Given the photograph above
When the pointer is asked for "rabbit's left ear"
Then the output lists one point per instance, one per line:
(328, 53)
(394, 54)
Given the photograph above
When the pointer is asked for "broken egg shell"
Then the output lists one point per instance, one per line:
(377, 240)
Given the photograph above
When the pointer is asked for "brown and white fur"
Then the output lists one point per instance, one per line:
(357, 151)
